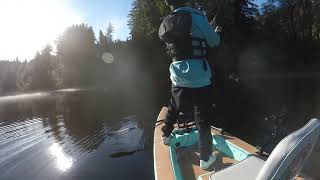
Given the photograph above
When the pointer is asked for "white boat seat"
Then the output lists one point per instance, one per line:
(247, 169)
(285, 161)
(289, 156)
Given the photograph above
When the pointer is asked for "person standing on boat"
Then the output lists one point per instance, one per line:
(188, 35)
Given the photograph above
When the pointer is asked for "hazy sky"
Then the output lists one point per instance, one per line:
(28, 25)
(98, 13)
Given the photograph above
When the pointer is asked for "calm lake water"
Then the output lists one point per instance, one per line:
(84, 134)
(74, 135)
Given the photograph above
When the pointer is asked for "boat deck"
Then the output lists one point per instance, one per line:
(189, 157)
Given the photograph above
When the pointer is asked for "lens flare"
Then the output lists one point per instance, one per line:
(107, 57)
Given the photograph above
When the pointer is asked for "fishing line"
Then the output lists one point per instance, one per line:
(219, 7)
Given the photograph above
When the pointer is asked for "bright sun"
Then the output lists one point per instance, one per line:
(28, 25)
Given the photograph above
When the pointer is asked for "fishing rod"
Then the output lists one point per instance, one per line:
(219, 7)
(219, 3)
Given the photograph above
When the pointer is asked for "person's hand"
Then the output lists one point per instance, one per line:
(218, 29)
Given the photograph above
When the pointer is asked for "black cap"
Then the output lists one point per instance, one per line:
(174, 4)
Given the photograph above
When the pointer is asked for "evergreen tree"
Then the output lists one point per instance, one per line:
(39, 71)
(77, 51)
(145, 18)
(8, 75)
(22, 81)
(102, 40)
(109, 33)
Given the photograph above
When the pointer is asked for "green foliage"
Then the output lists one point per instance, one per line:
(296, 20)
(316, 26)
(41, 70)
(103, 42)
(23, 81)
(270, 19)
(77, 51)
(145, 18)
(77, 63)
(38, 73)
(8, 75)
(109, 33)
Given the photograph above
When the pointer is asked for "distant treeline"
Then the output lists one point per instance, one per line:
(77, 62)
(284, 35)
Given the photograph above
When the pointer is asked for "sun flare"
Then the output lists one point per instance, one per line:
(27, 26)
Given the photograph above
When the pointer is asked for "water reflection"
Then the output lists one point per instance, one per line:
(70, 90)
(22, 97)
(127, 140)
(63, 162)
(65, 134)
(94, 141)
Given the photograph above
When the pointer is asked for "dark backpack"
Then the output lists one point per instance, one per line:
(176, 26)
(175, 30)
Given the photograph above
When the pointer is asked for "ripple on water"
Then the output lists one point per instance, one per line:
(50, 147)
(29, 142)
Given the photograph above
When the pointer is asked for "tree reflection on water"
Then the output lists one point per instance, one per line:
(71, 133)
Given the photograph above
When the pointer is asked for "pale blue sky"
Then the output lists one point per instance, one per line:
(98, 13)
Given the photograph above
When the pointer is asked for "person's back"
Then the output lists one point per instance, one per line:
(188, 35)
(186, 69)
